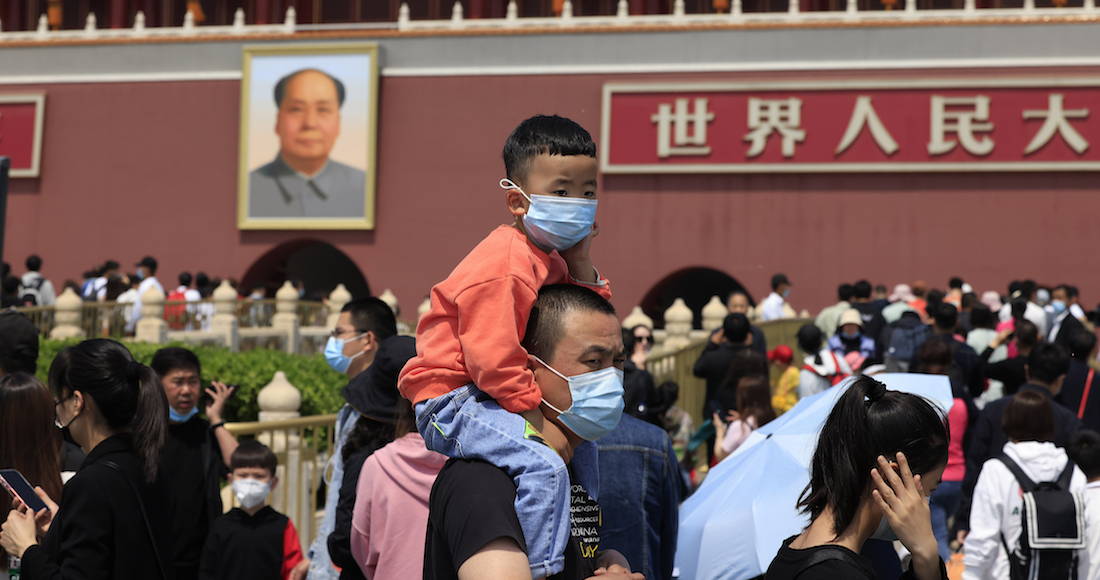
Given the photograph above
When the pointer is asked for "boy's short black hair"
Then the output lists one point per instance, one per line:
(1084, 450)
(542, 134)
(252, 453)
(171, 358)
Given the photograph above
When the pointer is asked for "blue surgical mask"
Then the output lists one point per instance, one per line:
(597, 402)
(334, 354)
(1058, 306)
(786, 292)
(556, 222)
(178, 417)
(852, 336)
(140, 274)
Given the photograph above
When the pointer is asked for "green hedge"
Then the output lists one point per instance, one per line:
(252, 370)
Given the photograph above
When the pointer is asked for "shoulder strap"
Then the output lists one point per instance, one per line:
(1025, 482)
(144, 516)
(828, 553)
(1066, 476)
(1085, 395)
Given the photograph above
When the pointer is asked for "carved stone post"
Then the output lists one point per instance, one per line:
(66, 315)
(280, 400)
(225, 320)
(677, 325)
(391, 300)
(714, 313)
(336, 301)
(152, 328)
(286, 316)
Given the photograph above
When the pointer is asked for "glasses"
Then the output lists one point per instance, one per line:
(648, 339)
(336, 332)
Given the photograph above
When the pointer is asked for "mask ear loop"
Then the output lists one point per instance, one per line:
(553, 370)
(509, 184)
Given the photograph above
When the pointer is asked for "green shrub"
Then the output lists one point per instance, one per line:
(252, 370)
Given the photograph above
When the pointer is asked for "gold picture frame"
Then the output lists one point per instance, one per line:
(277, 191)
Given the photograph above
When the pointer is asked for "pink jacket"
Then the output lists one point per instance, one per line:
(391, 507)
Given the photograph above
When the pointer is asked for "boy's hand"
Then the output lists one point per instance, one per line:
(578, 260)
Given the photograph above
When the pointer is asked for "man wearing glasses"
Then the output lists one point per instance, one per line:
(362, 326)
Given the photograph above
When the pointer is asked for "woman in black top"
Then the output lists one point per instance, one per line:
(870, 432)
(115, 516)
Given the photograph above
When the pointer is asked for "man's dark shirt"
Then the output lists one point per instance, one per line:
(988, 440)
(970, 366)
(759, 343)
(184, 463)
(472, 504)
(1073, 388)
(639, 392)
(713, 365)
(1011, 371)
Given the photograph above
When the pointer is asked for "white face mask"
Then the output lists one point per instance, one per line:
(251, 492)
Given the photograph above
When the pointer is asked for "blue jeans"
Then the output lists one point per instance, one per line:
(468, 424)
(943, 502)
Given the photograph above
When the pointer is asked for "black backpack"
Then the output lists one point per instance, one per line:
(905, 341)
(1053, 526)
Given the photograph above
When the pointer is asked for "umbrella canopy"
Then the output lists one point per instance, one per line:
(732, 527)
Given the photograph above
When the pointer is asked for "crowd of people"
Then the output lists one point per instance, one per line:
(520, 435)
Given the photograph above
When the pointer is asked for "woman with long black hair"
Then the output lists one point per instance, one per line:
(115, 517)
(879, 456)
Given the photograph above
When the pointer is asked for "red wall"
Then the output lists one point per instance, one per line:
(130, 169)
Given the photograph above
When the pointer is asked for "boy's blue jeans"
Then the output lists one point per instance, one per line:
(469, 424)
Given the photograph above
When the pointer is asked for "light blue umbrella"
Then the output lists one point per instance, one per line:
(732, 527)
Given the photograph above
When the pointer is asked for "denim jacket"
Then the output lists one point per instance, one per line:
(637, 461)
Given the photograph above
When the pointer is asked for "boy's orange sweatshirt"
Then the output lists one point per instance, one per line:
(479, 314)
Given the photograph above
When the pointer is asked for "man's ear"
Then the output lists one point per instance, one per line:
(517, 204)
(531, 362)
(370, 341)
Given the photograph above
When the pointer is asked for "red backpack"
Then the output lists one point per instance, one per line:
(834, 379)
(176, 314)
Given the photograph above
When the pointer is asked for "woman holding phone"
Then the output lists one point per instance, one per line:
(879, 456)
(28, 440)
(115, 516)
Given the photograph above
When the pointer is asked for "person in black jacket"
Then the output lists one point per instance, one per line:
(1081, 383)
(1046, 369)
(115, 517)
(196, 453)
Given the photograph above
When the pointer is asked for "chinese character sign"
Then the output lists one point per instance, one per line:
(917, 126)
(21, 122)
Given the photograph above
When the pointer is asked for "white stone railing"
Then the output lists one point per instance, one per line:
(907, 10)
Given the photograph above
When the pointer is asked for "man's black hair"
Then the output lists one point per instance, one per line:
(1046, 362)
(544, 135)
(1027, 334)
(981, 316)
(736, 328)
(546, 326)
(11, 286)
(372, 315)
(1084, 450)
(34, 263)
(861, 289)
(252, 453)
(778, 280)
(946, 316)
(968, 300)
(1013, 286)
(1071, 292)
(1081, 344)
(202, 280)
(844, 292)
(171, 358)
(185, 278)
(1027, 288)
(280, 87)
(955, 283)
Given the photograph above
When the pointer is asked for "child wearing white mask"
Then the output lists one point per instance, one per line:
(471, 381)
(253, 540)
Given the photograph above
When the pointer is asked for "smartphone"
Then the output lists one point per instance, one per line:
(19, 487)
(207, 399)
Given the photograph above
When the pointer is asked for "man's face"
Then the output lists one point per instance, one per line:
(182, 387)
(1059, 295)
(738, 304)
(591, 341)
(309, 117)
(354, 342)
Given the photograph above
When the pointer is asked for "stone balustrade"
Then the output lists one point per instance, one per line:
(851, 14)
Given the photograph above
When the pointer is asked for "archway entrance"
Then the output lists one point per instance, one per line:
(321, 266)
(695, 286)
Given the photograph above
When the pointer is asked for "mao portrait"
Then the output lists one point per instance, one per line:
(308, 137)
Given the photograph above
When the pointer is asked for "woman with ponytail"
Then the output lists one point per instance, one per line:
(879, 456)
(115, 516)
